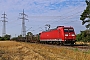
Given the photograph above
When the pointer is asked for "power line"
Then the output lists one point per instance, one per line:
(23, 23)
(70, 11)
(68, 17)
(52, 16)
(4, 24)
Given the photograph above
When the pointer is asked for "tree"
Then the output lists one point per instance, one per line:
(29, 34)
(78, 37)
(7, 37)
(14, 38)
(83, 36)
(85, 16)
(20, 36)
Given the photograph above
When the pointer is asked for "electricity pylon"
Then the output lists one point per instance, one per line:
(4, 24)
(23, 23)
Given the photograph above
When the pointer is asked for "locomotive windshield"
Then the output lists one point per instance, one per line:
(65, 30)
(71, 30)
(68, 30)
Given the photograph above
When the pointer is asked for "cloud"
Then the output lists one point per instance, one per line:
(36, 6)
(41, 12)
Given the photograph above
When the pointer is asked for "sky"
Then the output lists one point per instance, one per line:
(39, 13)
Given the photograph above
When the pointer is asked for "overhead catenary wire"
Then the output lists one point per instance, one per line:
(56, 16)
(50, 16)
(68, 17)
(48, 21)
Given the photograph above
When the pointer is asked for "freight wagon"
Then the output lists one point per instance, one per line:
(59, 35)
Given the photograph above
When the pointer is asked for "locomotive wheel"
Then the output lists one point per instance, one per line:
(72, 43)
(61, 43)
(58, 43)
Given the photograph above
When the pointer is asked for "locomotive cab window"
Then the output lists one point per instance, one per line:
(68, 30)
(71, 30)
(65, 30)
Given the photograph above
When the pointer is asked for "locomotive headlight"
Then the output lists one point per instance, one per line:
(73, 35)
(66, 34)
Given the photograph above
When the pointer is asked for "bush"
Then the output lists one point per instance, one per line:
(78, 37)
(14, 38)
(6, 37)
(83, 36)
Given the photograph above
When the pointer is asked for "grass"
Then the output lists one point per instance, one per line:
(76, 49)
(11, 50)
(87, 52)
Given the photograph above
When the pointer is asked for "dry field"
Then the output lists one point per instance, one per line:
(11, 50)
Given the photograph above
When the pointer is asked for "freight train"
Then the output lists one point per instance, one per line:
(59, 35)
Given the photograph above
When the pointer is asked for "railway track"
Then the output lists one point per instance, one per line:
(81, 46)
(78, 46)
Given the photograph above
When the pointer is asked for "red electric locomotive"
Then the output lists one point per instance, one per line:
(59, 35)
